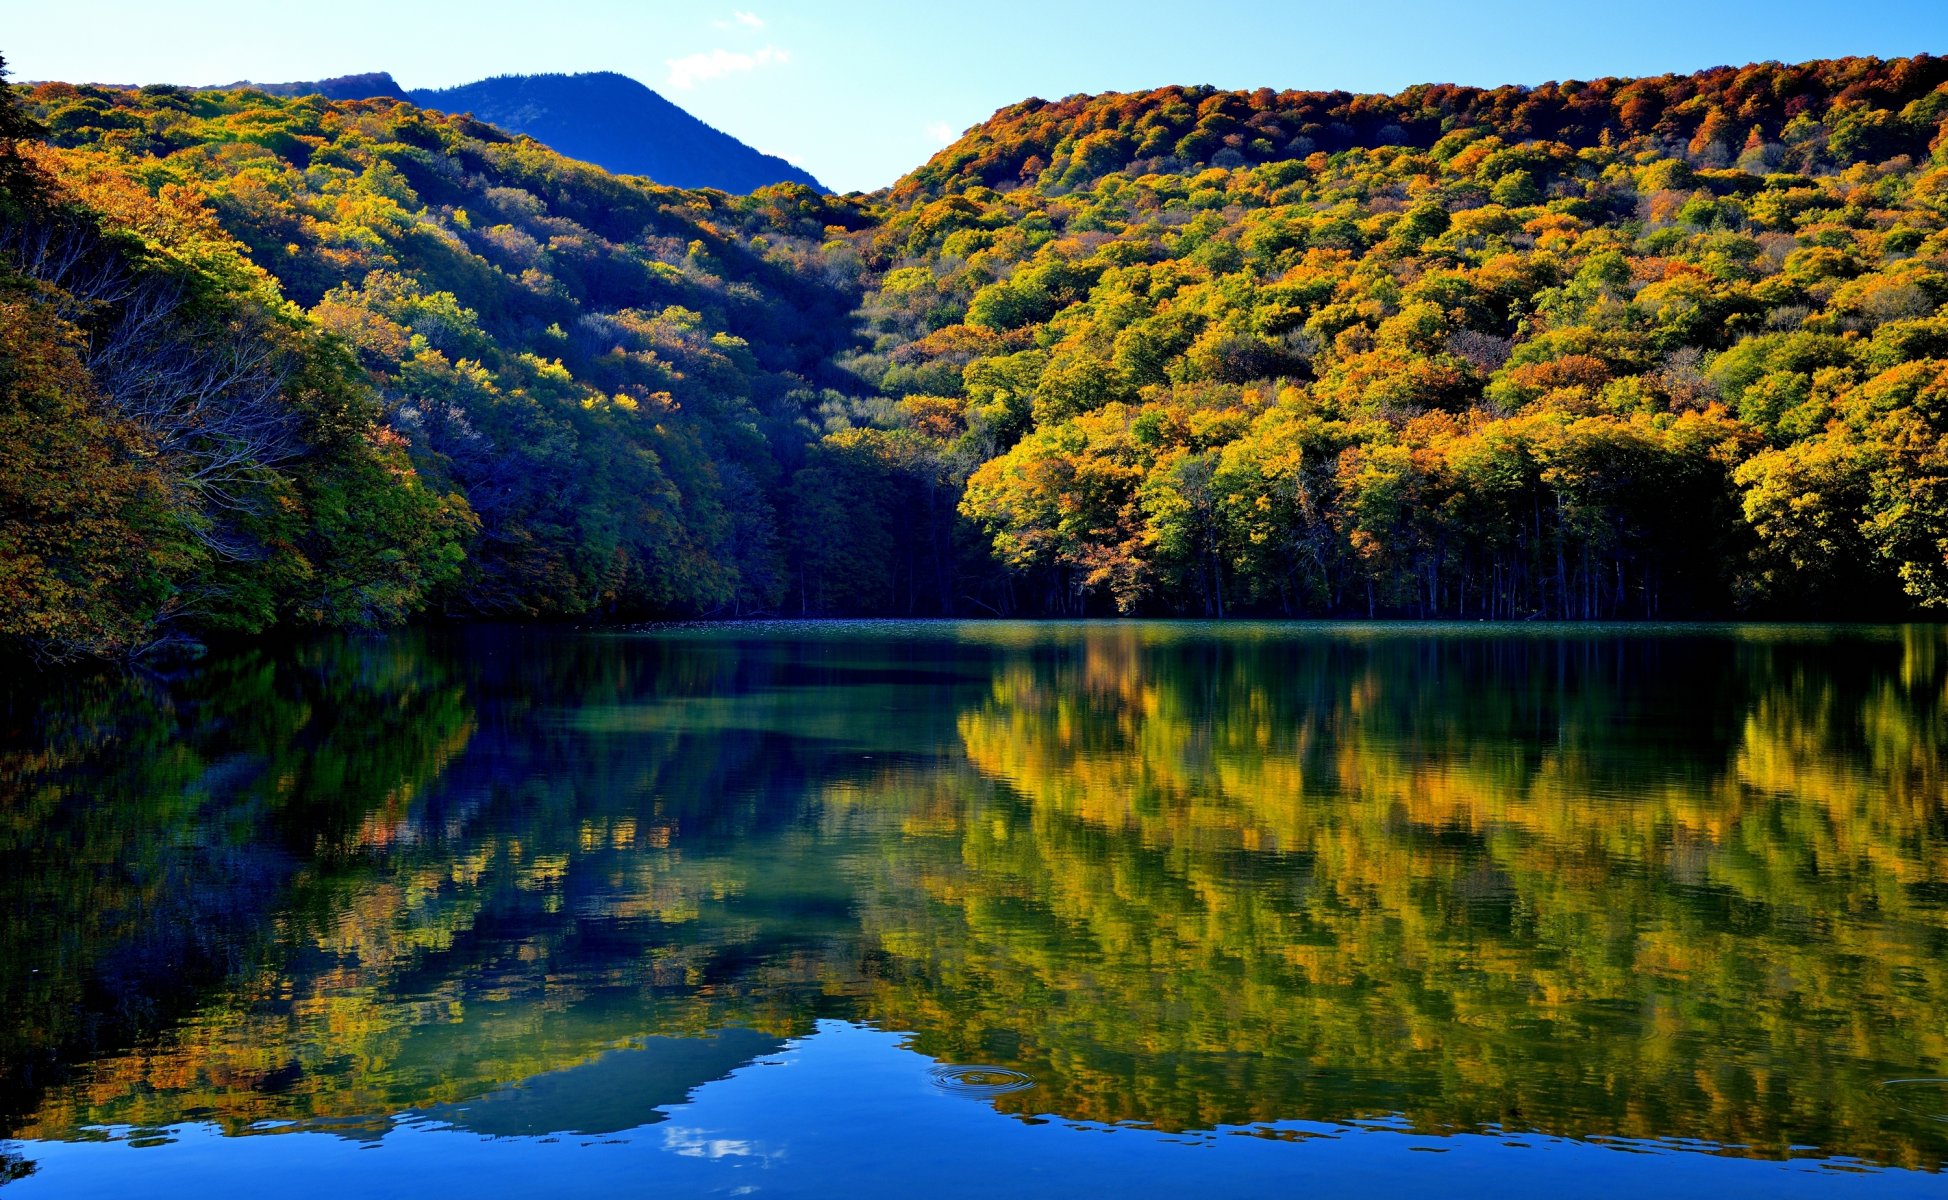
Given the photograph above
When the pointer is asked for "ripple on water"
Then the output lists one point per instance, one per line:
(1927, 1097)
(980, 1082)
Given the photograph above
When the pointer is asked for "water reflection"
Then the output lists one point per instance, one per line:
(1664, 885)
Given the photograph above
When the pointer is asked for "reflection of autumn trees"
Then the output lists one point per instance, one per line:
(152, 830)
(1594, 885)
(531, 898)
(1470, 880)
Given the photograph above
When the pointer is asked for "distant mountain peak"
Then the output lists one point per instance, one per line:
(619, 123)
(601, 117)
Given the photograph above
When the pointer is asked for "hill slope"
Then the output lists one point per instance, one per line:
(1633, 348)
(604, 380)
(1670, 345)
(615, 122)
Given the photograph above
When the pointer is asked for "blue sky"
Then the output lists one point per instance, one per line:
(860, 92)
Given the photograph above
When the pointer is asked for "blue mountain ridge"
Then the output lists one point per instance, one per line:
(600, 117)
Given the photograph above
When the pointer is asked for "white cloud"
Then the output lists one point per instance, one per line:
(690, 70)
(741, 18)
(942, 133)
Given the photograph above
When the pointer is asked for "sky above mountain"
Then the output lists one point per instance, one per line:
(861, 92)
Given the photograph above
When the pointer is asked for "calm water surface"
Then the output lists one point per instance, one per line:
(984, 910)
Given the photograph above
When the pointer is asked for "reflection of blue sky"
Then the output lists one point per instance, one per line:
(620, 1090)
(849, 1112)
(691, 1142)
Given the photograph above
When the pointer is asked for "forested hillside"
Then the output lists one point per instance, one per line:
(179, 448)
(1632, 348)
(602, 384)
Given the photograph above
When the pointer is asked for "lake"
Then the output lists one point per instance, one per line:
(984, 909)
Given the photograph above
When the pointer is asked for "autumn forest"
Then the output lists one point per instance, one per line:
(1632, 348)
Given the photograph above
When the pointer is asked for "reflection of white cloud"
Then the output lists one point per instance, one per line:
(690, 70)
(942, 132)
(697, 1143)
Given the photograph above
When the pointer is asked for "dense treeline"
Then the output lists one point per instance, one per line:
(177, 447)
(1628, 348)
(600, 385)
(1803, 116)
(1668, 346)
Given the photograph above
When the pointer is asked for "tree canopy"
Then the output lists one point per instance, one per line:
(1626, 348)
